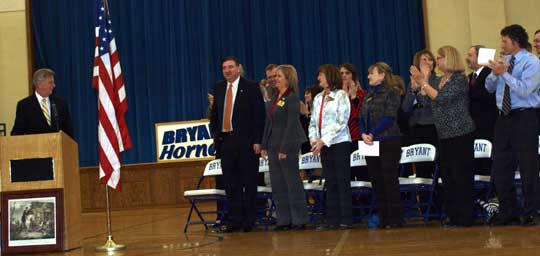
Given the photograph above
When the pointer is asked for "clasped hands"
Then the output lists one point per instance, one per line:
(264, 154)
(498, 67)
(419, 77)
(367, 138)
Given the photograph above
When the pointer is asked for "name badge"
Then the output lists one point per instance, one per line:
(281, 103)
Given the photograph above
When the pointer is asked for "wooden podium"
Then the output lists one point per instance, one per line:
(64, 153)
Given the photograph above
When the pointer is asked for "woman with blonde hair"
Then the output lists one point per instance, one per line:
(378, 122)
(450, 103)
(282, 138)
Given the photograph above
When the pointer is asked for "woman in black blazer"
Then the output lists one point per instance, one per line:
(282, 138)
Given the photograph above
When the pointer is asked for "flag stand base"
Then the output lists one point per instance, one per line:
(110, 246)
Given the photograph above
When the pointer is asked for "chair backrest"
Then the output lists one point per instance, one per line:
(482, 148)
(357, 159)
(263, 165)
(309, 161)
(213, 168)
(418, 153)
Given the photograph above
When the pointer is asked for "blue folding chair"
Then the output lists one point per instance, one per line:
(482, 183)
(418, 193)
(198, 195)
(362, 191)
(314, 188)
(265, 203)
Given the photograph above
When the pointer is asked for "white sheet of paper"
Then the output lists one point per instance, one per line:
(368, 150)
(485, 55)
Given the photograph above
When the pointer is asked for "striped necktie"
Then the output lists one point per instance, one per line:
(506, 103)
(45, 110)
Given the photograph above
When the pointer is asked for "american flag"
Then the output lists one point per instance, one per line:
(113, 135)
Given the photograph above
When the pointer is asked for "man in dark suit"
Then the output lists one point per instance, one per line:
(237, 123)
(482, 105)
(42, 112)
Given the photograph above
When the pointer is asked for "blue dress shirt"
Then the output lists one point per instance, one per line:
(524, 82)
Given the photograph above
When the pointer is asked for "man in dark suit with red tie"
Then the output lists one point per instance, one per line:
(42, 112)
(237, 123)
(482, 105)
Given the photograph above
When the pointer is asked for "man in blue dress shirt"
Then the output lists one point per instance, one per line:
(516, 81)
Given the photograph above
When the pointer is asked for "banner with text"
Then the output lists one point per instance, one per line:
(184, 141)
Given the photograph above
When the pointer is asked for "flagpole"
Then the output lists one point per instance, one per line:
(110, 173)
(110, 245)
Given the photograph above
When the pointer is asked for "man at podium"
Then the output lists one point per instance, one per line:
(42, 112)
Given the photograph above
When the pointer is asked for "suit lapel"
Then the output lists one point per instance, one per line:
(239, 96)
(484, 73)
(36, 108)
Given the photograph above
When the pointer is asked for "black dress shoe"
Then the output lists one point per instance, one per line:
(279, 228)
(529, 221)
(247, 229)
(499, 220)
(228, 229)
(345, 226)
(325, 227)
(392, 225)
(298, 227)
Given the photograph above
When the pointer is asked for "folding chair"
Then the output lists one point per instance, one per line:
(482, 183)
(198, 195)
(265, 203)
(412, 187)
(360, 190)
(314, 189)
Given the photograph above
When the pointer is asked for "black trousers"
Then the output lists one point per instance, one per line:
(457, 173)
(516, 141)
(336, 166)
(384, 175)
(240, 171)
(423, 134)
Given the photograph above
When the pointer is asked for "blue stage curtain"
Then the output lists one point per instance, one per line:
(171, 51)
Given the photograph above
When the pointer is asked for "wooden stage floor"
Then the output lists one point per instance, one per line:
(159, 232)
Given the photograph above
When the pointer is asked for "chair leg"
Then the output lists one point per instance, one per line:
(428, 208)
(200, 216)
(188, 220)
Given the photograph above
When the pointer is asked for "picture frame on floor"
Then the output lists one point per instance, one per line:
(32, 221)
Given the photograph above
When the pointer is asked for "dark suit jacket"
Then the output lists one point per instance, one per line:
(29, 118)
(283, 131)
(482, 106)
(248, 113)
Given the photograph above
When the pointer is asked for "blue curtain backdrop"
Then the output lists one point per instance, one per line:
(170, 51)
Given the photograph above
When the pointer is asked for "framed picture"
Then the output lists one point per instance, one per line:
(32, 221)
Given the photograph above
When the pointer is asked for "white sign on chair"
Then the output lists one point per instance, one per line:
(417, 153)
(309, 161)
(357, 159)
(482, 148)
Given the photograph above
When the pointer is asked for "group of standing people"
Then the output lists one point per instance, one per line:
(498, 103)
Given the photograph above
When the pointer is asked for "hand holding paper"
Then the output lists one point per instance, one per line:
(485, 55)
(368, 150)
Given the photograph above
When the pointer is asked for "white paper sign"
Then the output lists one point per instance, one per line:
(485, 55)
(368, 150)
